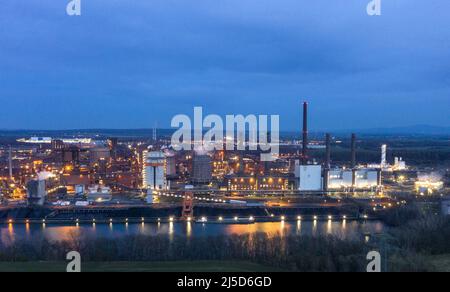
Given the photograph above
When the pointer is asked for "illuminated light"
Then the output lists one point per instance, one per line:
(236, 218)
(10, 221)
(189, 219)
(251, 218)
(283, 218)
(77, 220)
(299, 217)
(220, 218)
(93, 220)
(171, 219)
(142, 219)
(330, 217)
(27, 221)
(126, 220)
(272, 215)
(344, 217)
(159, 219)
(315, 217)
(110, 220)
(43, 220)
(204, 219)
(365, 216)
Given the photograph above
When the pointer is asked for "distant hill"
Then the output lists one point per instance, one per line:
(147, 133)
(411, 130)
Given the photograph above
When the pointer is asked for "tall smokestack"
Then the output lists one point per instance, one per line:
(326, 172)
(354, 160)
(353, 151)
(305, 134)
(10, 164)
(328, 151)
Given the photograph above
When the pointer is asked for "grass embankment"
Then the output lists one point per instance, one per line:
(441, 263)
(178, 266)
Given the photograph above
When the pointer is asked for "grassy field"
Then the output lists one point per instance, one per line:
(441, 262)
(198, 266)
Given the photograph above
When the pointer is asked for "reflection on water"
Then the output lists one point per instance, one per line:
(188, 229)
(341, 229)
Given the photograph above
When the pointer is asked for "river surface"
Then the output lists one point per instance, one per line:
(54, 232)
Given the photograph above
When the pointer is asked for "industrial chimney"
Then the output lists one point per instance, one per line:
(353, 151)
(328, 151)
(326, 172)
(353, 160)
(305, 134)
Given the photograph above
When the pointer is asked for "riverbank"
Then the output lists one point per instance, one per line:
(166, 213)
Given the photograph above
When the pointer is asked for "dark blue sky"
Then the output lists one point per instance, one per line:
(127, 64)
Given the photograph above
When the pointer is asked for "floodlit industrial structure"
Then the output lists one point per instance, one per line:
(154, 172)
(429, 183)
(399, 164)
(314, 177)
(310, 176)
(356, 177)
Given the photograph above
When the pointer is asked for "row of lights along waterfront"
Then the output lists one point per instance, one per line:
(189, 219)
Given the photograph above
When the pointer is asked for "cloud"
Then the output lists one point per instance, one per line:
(127, 64)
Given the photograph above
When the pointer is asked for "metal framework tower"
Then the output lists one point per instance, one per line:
(305, 134)
(383, 156)
(155, 136)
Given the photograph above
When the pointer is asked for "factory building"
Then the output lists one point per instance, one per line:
(429, 183)
(399, 164)
(71, 155)
(171, 169)
(99, 154)
(339, 179)
(58, 145)
(201, 169)
(154, 172)
(311, 178)
(363, 179)
(259, 183)
(112, 145)
(367, 178)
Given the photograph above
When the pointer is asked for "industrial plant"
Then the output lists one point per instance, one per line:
(85, 172)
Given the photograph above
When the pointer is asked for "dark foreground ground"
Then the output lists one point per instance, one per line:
(440, 263)
(179, 266)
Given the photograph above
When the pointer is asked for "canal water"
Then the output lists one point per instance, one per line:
(53, 232)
